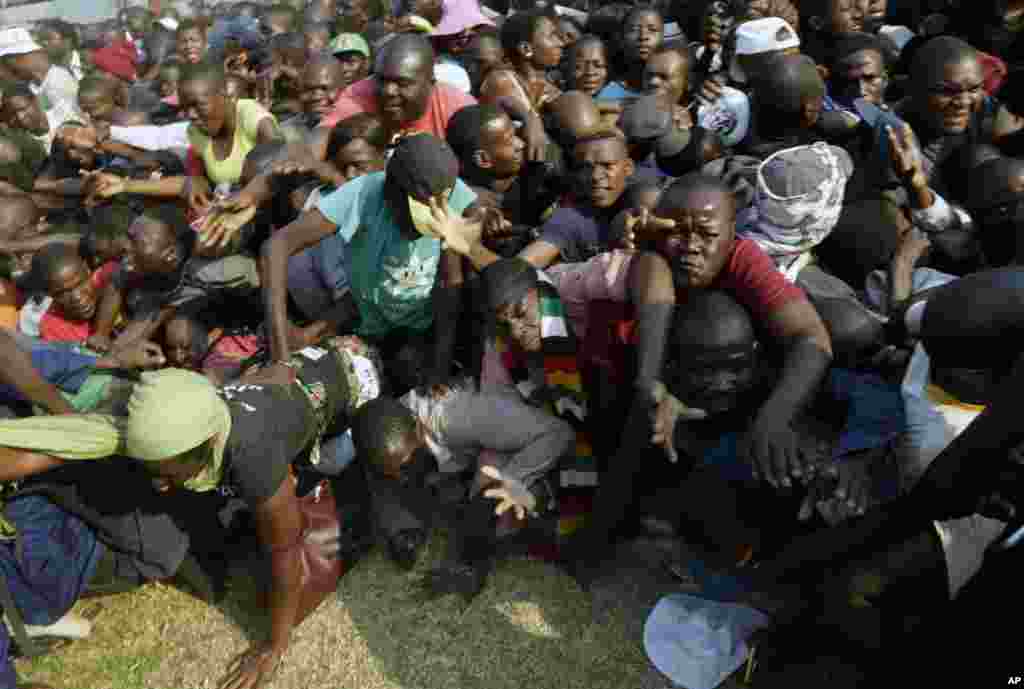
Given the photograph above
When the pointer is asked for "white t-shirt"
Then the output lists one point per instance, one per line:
(452, 73)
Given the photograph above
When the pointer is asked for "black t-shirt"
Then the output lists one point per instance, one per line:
(273, 425)
(270, 426)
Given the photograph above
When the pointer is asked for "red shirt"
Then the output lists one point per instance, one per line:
(361, 96)
(56, 327)
(751, 277)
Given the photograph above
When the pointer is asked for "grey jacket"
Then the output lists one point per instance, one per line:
(467, 426)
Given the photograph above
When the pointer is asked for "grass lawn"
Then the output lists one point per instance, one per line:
(530, 628)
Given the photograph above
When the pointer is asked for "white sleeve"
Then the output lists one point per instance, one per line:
(938, 217)
(152, 137)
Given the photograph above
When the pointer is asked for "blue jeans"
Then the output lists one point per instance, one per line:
(59, 555)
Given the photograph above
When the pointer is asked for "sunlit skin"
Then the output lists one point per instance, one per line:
(847, 16)
(861, 75)
(522, 319)
(504, 148)
(590, 67)
(605, 167)
(204, 103)
(952, 96)
(191, 45)
(173, 473)
(483, 56)
(99, 106)
(56, 46)
(702, 240)
(178, 336)
(169, 78)
(72, 290)
(358, 158)
(547, 45)
(405, 80)
(667, 75)
(81, 145)
(642, 35)
(153, 250)
(354, 66)
(317, 41)
(24, 112)
(320, 89)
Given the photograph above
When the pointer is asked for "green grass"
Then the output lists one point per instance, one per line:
(530, 627)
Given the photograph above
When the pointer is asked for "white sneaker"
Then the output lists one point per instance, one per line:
(71, 626)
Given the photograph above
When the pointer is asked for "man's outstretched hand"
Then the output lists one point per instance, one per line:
(254, 667)
(510, 493)
(669, 411)
(459, 234)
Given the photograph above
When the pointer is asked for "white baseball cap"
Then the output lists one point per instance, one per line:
(17, 41)
(761, 36)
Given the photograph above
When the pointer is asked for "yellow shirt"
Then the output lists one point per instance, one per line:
(248, 115)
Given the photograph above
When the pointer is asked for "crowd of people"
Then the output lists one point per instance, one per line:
(315, 277)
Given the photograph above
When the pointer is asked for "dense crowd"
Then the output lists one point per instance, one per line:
(314, 277)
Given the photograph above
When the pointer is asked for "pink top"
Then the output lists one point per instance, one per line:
(361, 96)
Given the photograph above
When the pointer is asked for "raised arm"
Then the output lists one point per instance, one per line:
(771, 445)
(307, 230)
(16, 370)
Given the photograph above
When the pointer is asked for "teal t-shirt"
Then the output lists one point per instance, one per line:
(391, 276)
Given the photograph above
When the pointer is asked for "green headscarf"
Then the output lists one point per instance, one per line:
(172, 414)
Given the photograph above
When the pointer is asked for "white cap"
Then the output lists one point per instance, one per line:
(761, 36)
(17, 41)
(169, 23)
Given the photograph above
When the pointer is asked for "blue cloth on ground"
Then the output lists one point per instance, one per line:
(696, 642)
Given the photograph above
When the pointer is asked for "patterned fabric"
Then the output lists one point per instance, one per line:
(798, 199)
(561, 392)
(361, 367)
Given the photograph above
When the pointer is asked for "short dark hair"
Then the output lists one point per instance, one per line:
(944, 49)
(465, 127)
(200, 23)
(672, 197)
(171, 216)
(62, 28)
(588, 39)
(845, 45)
(365, 126)
(602, 135)
(379, 428)
(49, 260)
(519, 28)
(643, 9)
(710, 315)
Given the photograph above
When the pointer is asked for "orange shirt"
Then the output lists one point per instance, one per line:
(443, 103)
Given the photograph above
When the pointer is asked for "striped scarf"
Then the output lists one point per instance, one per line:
(561, 392)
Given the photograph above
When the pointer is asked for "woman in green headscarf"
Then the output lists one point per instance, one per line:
(240, 439)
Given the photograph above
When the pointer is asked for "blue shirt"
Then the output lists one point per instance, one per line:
(616, 90)
(391, 276)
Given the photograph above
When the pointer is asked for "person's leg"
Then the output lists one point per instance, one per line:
(47, 535)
